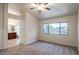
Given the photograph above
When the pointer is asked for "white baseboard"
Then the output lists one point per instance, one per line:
(31, 42)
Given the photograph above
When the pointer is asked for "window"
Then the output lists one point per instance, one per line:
(56, 28)
(46, 28)
(64, 28)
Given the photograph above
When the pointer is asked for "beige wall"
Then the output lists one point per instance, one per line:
(78, 30)
(29, 28)
(23, 28)
(5, 44)
(3, 25)
(70, 40)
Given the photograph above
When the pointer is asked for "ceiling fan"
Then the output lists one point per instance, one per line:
(40, 6)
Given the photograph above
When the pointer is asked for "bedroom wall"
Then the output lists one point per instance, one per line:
(78, 30)
(70, 40)
(23, 27)
(3, 25)
(29, 28)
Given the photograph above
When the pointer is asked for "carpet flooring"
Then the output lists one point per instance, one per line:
(40, 48)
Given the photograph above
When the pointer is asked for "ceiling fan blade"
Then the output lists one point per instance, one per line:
(45, 3)
(48, 8)
(33, 8)
(36, 3)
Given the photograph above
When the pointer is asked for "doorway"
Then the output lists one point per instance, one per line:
(13, 32)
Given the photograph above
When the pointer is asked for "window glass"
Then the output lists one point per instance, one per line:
(46, 28)
(54, 28)
(64, 28)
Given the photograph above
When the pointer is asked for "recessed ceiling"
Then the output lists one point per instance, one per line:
(57, 9)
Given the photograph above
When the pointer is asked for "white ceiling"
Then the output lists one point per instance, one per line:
(57, 9)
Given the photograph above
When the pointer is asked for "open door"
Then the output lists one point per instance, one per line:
(13, 32)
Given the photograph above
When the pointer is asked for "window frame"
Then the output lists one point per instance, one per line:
(59, 28)
(67, 28)
(48, 28)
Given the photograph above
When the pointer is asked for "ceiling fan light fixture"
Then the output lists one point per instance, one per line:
(41, 7)
(34, 5)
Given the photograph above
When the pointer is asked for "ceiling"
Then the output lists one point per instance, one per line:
(13, 21)
(57, 9)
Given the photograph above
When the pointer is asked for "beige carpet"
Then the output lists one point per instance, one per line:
(13, 42)
(40, 48)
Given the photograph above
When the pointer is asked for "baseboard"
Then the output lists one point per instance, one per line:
(27, 43)
(57, 43)
(22, 42)
(31, 42)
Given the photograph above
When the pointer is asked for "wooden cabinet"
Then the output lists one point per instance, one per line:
(12, 35)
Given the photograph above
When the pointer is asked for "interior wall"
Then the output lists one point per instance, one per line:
(5, 44)
(78, 29)
(29, 28)
(23, 27)
(70, 40)
(3, 25)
